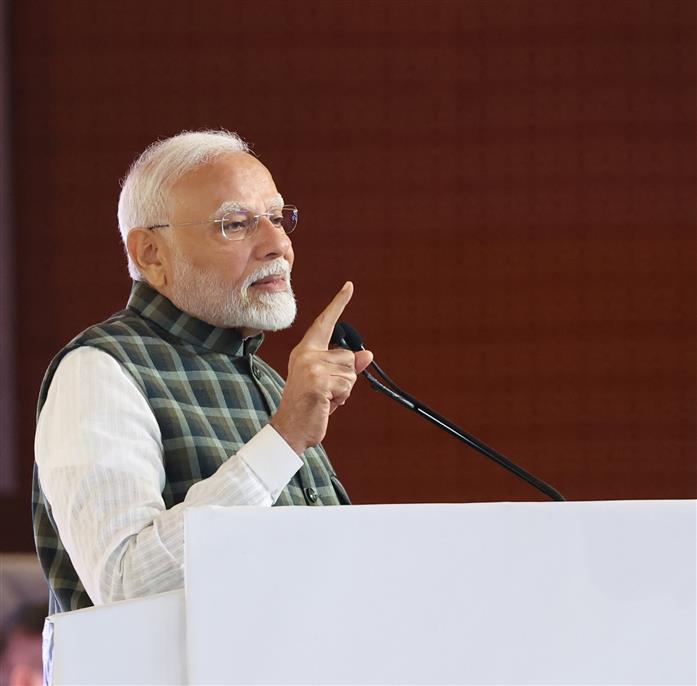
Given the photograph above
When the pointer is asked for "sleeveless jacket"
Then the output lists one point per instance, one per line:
(209, 393)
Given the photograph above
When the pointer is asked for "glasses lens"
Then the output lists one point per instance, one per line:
(236, 225)
(239, 224)
(289, 218)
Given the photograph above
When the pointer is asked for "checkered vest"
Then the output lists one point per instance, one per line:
(210, 394)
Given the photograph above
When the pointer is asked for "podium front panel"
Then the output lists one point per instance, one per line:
(524, 593)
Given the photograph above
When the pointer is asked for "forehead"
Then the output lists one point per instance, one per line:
(235, 177)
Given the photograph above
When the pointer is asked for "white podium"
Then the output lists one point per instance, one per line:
(501, 593)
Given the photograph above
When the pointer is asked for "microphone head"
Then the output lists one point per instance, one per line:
(352, 338)
(339, 336)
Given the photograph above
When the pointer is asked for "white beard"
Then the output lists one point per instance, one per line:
(207, 297)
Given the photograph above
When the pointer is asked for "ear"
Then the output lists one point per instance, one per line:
(150, 253)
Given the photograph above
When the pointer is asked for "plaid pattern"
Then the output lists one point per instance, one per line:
(210, 394)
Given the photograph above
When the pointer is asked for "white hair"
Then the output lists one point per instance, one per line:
(144, 189)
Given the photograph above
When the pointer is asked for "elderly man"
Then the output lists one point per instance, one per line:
(166, 405)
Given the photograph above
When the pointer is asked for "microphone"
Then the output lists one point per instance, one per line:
(346, 336)
(339, 337)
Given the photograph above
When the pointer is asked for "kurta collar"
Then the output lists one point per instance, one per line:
(154, 306)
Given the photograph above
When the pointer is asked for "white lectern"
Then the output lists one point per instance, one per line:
(526, 593)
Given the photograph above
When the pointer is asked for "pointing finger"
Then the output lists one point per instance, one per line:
(319, 334)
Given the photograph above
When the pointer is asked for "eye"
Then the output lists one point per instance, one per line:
(276, 218)
(235, 223)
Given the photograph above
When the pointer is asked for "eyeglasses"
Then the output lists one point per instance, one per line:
(237, 225)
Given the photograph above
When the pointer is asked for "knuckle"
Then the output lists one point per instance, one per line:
(343, 387)
(316, 370)
(302, 358)
(343, 357)
(347, 358)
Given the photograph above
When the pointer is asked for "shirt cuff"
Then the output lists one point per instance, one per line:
(271, 459)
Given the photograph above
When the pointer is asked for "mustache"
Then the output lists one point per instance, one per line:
(280, 266)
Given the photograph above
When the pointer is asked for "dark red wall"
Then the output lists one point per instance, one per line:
(510, 185)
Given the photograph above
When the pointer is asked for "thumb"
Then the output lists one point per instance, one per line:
(362, 360)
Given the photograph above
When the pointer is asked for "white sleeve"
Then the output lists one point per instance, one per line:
(99, 456)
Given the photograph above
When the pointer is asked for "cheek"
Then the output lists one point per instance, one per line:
(231, 267)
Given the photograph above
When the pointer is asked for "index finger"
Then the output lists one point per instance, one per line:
(319, 334)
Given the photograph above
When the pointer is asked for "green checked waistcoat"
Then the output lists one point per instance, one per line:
(210, 394)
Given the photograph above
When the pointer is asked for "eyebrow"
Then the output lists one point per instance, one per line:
(235, 205)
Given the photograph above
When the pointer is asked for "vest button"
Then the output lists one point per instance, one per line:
(257, 372)
(311, 496)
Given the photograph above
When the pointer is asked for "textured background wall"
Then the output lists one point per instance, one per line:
(510, 184)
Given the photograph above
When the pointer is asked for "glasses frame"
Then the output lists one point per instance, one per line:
(246, 234)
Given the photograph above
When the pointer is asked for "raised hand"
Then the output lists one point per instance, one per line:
(319, 379)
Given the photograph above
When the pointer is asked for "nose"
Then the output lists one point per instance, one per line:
(272, 241)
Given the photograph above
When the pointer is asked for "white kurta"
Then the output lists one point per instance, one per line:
(99, 456)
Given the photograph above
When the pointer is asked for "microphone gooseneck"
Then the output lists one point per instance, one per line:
(346, 336)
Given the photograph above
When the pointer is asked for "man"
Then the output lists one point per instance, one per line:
(166, 405)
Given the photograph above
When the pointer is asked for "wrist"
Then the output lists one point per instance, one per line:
(297, 444)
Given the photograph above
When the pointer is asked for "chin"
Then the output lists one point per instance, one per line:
(270, 312)
(213, 303)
